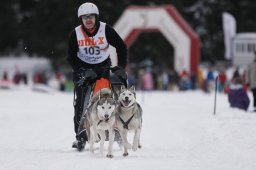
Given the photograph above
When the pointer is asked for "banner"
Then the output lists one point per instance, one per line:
(229, 29)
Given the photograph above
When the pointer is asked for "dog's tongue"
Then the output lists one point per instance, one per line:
(126, 102)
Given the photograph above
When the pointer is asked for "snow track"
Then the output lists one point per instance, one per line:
(179, 132)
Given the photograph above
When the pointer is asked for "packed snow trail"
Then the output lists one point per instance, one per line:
(179, 132)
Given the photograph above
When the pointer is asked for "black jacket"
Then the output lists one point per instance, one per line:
(113, 39)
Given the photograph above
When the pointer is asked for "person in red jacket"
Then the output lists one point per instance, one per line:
(88, 50)
(222, 81)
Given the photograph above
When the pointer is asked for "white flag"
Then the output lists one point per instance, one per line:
(229, 28)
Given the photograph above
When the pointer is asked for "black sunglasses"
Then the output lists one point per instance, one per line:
(88, 16)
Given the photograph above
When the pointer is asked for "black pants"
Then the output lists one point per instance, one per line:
(254, 97)
(78, 105)
(79, 92)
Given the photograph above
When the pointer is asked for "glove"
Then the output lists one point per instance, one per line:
(80, 72)
(119, 72)
(85, 74)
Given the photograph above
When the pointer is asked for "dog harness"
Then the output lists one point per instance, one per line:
(99, 122)
(125, 124)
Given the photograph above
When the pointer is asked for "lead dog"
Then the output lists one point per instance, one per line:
(100, 118)
(129, 118)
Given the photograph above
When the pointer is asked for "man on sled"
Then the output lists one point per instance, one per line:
(89, 58)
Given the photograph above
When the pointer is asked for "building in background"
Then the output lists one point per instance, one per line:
(25, 69)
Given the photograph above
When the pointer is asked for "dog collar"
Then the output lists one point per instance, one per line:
(102, 121)
(126, 107)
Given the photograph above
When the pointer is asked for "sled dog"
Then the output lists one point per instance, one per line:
(129, 118)
(101, 117)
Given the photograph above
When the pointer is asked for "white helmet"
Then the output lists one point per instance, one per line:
(87, 8)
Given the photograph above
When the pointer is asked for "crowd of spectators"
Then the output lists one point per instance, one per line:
(142, 79)
(56, 80)
(234, 84)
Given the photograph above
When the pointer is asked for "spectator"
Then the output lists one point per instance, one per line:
(165, 80)
(184, 80)
(200, 79)
(222, 81)
(210, 80)
(132, 81)
(24, 78)
(193, 79)
(16, 78)
(237, 96)
(251, 78)
(147, 80)
(5, 76)
(174, 79)
(236, 73)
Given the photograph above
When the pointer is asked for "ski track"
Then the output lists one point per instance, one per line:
(179, 132)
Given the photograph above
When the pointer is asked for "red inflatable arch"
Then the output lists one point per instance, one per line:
(168, 21)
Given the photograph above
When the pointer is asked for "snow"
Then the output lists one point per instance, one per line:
(179, 132)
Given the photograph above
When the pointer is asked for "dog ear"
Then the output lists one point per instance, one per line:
(132, 88)
(122, 87)
(117, 91)
(116, 94)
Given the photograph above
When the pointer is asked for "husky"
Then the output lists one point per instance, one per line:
(129, 118)
(101, 117)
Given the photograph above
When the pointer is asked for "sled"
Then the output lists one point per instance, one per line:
(92, 86)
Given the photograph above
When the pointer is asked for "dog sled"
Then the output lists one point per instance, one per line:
(92, 85)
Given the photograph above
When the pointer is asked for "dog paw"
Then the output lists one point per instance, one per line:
(97, 139)
(125, 154)
(110, 156)
(134, 147)
(91, 150)
(101, 150)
